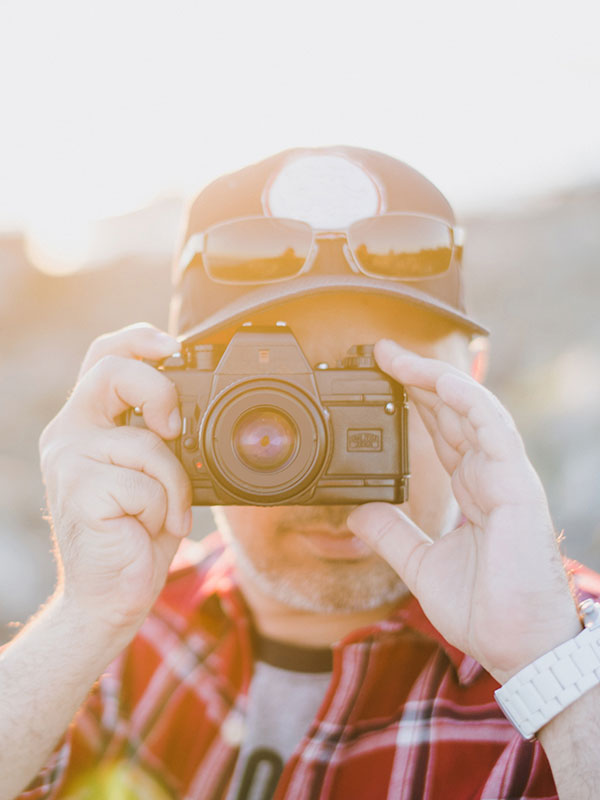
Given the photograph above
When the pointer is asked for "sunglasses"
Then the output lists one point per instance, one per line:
(394, 246)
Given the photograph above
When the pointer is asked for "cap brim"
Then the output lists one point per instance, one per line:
(274, 294)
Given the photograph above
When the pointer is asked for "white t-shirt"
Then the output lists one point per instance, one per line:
(287, 689)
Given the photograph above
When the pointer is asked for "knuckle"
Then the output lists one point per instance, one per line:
(105, 374)
(513, 438)
(162, 399)
(99, 372)
(155, 445)
(66, 487)
(52, 452)
(384, 531)
(145, 439)
(108, 365)
(136, 483)
(146, 496)
(154, 489)
(171, 392)
(99, 346)
(95, 347)
(137, 327)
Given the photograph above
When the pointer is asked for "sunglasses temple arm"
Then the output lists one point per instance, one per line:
(193, 248)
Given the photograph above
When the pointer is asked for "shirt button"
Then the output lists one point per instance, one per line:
(233, 729)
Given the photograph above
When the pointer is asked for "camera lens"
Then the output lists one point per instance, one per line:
(265, 439)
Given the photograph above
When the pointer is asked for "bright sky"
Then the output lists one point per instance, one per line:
(105, 106)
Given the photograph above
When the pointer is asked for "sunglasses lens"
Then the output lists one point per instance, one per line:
(401, 246)
(256, 250)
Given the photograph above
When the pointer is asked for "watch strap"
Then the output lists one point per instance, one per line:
(544, 688)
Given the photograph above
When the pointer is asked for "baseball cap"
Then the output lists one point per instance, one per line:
(325, 189)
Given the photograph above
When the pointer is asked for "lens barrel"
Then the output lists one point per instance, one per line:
(265, 441)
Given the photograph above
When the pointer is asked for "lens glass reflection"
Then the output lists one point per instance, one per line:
(264, 439)
(256, 250)
(402, 246)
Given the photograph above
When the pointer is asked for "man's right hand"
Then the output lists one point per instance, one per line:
(118, 497)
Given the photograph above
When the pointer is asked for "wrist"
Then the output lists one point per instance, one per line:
(101, 635)
(539, 646)
(542, 636)
(543, 689)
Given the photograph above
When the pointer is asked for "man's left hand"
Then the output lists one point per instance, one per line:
(495, 586)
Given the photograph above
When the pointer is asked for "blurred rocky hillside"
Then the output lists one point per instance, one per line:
(533, 277)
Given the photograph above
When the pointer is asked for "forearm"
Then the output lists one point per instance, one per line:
(571, 742)
(45, 675)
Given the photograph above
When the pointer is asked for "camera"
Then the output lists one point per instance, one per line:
(260, 426)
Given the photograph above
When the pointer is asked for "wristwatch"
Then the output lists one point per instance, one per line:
(542, 689)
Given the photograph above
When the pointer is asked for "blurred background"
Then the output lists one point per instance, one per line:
(113, 114)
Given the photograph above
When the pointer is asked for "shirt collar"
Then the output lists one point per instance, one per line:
(467, 668)
(219, 584)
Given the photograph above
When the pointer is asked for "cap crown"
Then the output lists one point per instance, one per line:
(328, 187)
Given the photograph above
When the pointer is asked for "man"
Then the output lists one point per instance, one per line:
(322, 651)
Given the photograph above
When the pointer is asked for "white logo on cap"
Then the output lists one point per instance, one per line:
(328, 192)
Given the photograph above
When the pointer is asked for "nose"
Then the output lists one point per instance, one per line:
(331, 257)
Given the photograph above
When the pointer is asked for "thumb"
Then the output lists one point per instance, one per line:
(393, 536)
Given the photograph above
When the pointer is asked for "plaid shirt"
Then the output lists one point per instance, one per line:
(406, 715)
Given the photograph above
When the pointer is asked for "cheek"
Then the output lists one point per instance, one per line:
(421, 450)
(258, 529)
(430, 489)
(246, 523)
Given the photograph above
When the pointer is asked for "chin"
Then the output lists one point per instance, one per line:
(325, 587)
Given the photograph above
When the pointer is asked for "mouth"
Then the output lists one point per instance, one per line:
(330, 543)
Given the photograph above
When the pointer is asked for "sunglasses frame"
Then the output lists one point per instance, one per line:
(194, 248)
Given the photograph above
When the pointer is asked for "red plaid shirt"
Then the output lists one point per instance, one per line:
(406, 714)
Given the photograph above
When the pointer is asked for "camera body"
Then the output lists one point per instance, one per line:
(261, 427)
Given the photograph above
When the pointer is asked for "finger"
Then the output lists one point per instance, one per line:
(472, 400)
(447, 454)
(412, 369)
(125, 493)
(394, 537)
(493, 425)
(135, 341)
(445, 428)
(469, 431)
(115, 384)
(419, 375)
(141, 450)
(456, 428)
(469, 507)
(421, 378)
